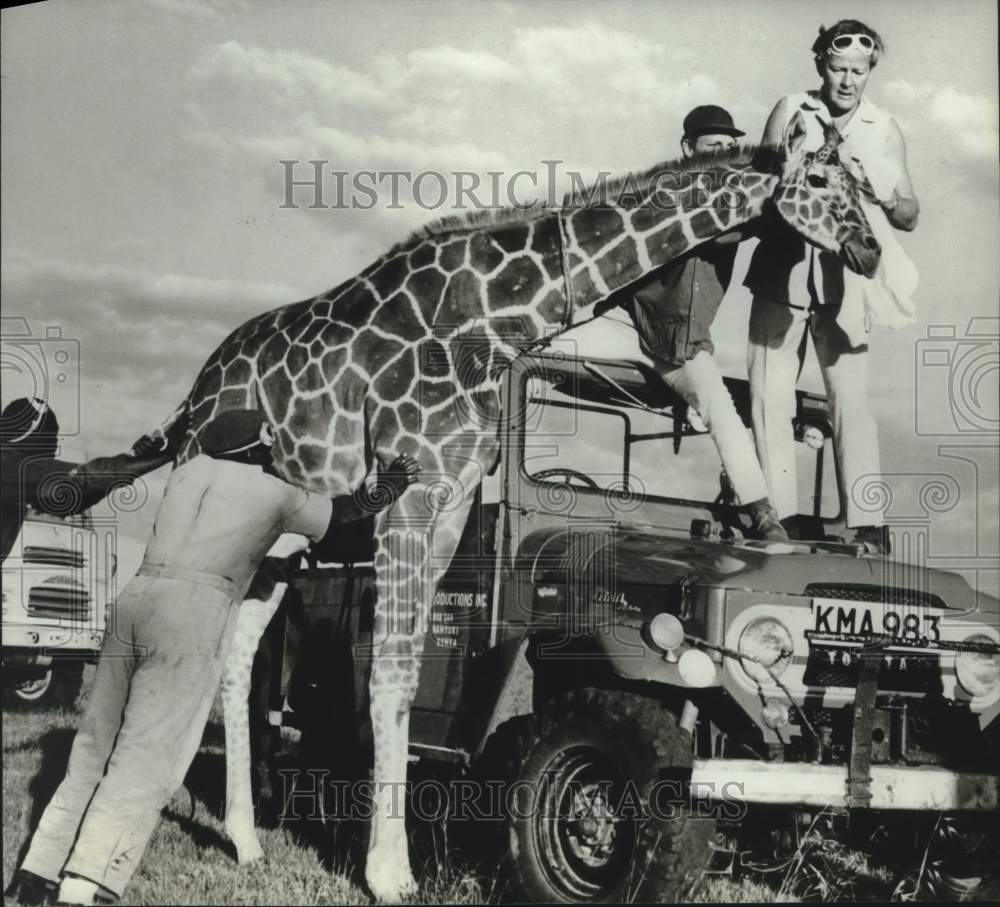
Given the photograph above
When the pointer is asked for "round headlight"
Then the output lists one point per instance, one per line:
(766, 647)
(666, 631)
(697, 669)
(978, 672)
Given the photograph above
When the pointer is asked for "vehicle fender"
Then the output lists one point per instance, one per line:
(516, 694)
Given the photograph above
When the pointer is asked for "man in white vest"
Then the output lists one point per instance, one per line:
(795, 285)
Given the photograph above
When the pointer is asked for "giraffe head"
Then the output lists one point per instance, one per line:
(818, 197)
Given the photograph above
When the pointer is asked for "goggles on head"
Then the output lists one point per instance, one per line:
(844, 44)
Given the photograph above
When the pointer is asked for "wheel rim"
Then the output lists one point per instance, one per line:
(584, 842)
(31, 689)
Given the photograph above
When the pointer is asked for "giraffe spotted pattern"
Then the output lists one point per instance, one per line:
(407, 357)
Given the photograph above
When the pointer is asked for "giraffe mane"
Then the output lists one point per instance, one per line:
(636, 184)
(640, 183)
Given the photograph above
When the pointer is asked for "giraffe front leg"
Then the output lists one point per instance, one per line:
(403, 590)
(254, 616)
(415, 547)
(393, 687)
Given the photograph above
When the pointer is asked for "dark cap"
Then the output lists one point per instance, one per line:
(30, 422)
(709, 119)
(236, 431)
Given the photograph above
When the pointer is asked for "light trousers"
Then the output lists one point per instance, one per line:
(774, 359)
(156, 678)
(698, 382)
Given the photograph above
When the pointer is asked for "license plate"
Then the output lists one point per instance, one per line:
(902, 625)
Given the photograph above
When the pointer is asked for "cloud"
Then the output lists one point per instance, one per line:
(970, 118)
(287, 75)
(973, 119)
(565, 93)
(451, 62)
(134, 294)
(553, 81)
(204, 10)
(901, 92)
(142, 336)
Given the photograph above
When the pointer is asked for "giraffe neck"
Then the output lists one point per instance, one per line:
(613, 246)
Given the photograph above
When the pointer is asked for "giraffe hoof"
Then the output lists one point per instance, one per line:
(248, 850)
(249, 854)
(391, 885)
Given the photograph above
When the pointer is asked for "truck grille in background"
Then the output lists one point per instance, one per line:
(59, 598)
(899, 674)
(55, 557)
(865, 592)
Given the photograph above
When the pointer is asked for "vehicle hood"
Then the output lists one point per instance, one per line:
(646, 557)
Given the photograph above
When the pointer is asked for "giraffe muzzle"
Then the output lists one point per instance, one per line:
(861, 253)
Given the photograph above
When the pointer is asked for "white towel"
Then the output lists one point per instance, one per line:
(885, 300)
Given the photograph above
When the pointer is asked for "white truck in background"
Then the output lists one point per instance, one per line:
(60, 578)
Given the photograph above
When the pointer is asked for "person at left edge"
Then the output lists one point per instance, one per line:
(31, 476)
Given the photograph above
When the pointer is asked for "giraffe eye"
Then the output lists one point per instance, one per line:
(816, 181)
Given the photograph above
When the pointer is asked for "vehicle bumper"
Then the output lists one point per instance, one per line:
(51, 640)
(798, 784)
(17, 660)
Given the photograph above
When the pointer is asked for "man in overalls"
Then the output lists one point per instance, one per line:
(159, 670)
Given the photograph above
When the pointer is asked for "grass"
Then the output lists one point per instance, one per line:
(190, 861)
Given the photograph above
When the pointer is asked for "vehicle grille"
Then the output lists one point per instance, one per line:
(870, 592)
(61, 598)
(55, 557)
(899, 674)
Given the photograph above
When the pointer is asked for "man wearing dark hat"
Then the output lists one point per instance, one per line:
(709, 128)
(672, 313)
(32, 476)
(157, 675)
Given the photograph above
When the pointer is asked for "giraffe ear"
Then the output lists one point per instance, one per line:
(795, 134)
(266, 435)
(831, 135)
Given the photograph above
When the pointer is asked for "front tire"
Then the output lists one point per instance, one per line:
(589, 820)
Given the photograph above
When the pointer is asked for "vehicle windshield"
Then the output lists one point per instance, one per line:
(612, 427)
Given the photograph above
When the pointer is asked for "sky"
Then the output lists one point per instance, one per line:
(142, 189)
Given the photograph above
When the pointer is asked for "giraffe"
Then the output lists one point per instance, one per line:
(406, 357)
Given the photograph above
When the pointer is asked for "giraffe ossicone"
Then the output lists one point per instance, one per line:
(406, 358)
